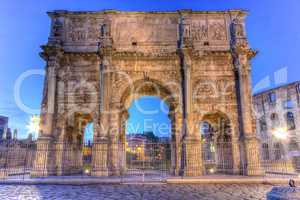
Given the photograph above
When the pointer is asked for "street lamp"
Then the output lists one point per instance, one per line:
(33, 125)
(280, 133)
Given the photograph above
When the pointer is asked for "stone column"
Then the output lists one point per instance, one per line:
(114, 135)
(251, 144)
(122, 142)
(191, 143)
(242, 54)
(100, 146)
(193, 149)
(100, 150)
(192, 140)
(99, 156)
(236, 158)
(60, 152)
(176, 145)
(251, 157)
(44, 161)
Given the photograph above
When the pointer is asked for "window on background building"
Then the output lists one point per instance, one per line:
(275, 120)
(290, 121)
(265, 152)
(259, 107)
(263, 124)
(293, 145)
(288, 104)
(277, 151)
(272, 97)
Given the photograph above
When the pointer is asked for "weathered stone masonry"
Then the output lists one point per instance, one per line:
(98, 62)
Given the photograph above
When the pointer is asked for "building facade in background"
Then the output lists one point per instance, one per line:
(3, 126)
(99, 62)
(278, 125)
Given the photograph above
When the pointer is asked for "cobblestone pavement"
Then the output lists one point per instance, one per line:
(135, 192)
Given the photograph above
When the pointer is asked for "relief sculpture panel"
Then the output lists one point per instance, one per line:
(217, 30)
(83, 29)
(209, 32)
(145, 30)
(200, 30)
(214, 91)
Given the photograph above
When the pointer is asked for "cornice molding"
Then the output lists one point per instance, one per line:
(112, 11)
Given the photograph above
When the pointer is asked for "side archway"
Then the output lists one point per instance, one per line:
(217, 145)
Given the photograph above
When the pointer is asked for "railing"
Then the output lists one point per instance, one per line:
(16, 159)
(157, 159)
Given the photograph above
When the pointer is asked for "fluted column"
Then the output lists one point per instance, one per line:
(100, 147)
(43, 163)
(242, 54)
(101, 126)
(114, 136)
(44, 160)
(192, 140)
(192, 160)
(176, 145)
(122, 141)
(99, 157)
(193, 149)
(248, 133)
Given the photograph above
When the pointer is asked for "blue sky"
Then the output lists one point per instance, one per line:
(273, 29)
(149, 113)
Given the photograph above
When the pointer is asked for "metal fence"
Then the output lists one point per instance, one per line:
(140, 160)
(16, 159)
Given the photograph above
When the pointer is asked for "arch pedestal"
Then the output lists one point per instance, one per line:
(99, 157)
(193, 156)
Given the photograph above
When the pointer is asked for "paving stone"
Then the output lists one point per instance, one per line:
(135, 192)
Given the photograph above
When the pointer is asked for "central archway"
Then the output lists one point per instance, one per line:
(148, 137)
(150, 144)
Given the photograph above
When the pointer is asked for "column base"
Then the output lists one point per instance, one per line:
(193, 157)
(191, 172)
(43, 163)
(253, 162)
(255, 172)
(99, 156)
(114, 172)
(3, 173)
(99, 173)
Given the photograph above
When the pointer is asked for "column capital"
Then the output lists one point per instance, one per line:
(51, 52)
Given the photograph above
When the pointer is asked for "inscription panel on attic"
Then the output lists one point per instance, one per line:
(148, 31)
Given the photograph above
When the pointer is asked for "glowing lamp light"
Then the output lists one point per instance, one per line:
(211, 170)
(33, 125)
(86, 171)
(280, 133)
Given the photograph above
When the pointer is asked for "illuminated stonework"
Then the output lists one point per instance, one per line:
(98, 62)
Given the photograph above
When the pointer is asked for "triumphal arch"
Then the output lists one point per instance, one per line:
(99, 62)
